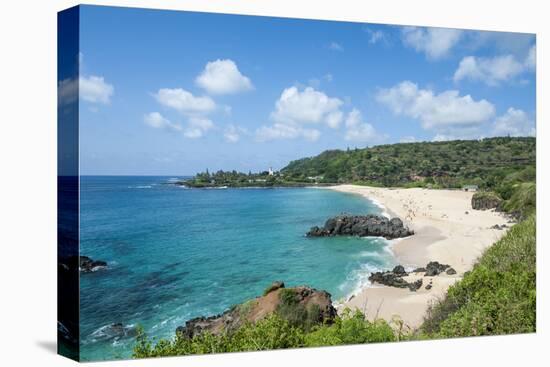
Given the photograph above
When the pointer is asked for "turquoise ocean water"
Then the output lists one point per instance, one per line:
(177, 253)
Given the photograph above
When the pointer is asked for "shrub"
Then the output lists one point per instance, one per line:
(351, 328)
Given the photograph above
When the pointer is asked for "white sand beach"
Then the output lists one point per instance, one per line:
(447, 230)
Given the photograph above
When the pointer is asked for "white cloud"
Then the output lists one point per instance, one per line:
(67, 91)
(193, 133)
(495, 70)
(184, 101)
(357, 130)
(531, 59)
(443, 137)
(284, 131)
(514, 122)
(517, 44)
(200, 123)
(376, 36)
(94, 89)
(223, 77)
(434, 42)
(157, 121)
(407, 139)
(307, 106)
(232, 133)
(197, 126)
(335, 46)
(441, 111)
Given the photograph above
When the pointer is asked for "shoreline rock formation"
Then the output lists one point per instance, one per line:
(394, 278)
(362, 225)
(84, 264)
(289, 303)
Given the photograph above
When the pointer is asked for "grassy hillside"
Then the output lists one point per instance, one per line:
(440, 164)
(497, 297)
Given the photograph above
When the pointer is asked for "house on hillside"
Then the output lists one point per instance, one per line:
(471, 188)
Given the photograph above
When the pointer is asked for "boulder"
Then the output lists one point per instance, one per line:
(81, 263)
(414, 286)
(362, 225)
(435, 268)
(399, 269)
(485, 200)
(451, 271)
(88, 265)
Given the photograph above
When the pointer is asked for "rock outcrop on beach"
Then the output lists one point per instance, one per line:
(394, 278)
(362, 225)
(288, 303)
(485, 201)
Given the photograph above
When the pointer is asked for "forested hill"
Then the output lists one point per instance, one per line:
(483, 162)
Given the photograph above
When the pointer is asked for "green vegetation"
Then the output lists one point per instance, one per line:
(238, 179)
(497, 297)
(449, 164)
(523, 200)
(291, 310)
(273, 332)
(488, 163)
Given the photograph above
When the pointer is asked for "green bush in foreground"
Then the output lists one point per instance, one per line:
(272, 332)
(497, 297)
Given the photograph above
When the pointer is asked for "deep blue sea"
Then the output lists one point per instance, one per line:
(177, 253)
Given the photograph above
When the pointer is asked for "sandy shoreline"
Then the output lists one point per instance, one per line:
(447, 230)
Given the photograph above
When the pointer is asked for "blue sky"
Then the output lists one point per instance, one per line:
(173, 93)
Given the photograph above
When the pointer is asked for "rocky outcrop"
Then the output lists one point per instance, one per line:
(362, 225)
(435, 268)
(394, 278)
(84, 264)
(485, 201)
(276, 299)
(88, 265)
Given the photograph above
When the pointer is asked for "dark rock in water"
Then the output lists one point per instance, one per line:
(83, 264)
(435, 268)
(114, 331)
(274, 286)
(451, 271)
(429, 286)
(362, 225)
(88, 265)
(414, 286)
(496, 226)
(301, 297)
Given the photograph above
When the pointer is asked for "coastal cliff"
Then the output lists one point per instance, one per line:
(301, 306)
